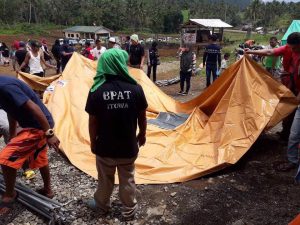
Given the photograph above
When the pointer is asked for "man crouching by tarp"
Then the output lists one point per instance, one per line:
(116, 104)
(23, 106)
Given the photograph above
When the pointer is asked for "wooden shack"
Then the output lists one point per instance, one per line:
(197, 31)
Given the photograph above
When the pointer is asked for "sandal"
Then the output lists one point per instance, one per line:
(284, 166)
(45, 193)
(5, 207)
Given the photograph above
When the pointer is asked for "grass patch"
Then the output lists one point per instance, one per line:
(26, 28)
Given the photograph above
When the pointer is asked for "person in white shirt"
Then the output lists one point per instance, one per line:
(33, 59)
(224, 63)
(98, 50)
(112, 43)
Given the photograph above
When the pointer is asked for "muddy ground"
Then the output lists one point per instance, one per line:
(248, 193)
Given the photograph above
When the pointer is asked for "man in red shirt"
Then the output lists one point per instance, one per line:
(87, 51)
(291, 63)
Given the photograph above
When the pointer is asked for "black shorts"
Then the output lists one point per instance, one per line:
(40, 74)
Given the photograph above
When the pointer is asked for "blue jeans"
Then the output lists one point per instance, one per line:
(211, 69)
(294, 139)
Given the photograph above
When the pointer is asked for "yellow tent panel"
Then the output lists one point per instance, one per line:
(220, 126)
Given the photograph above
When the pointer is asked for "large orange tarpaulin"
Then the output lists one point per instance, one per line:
(223, 123)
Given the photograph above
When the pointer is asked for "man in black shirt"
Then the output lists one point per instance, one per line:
(56, 53)
(66, 52)
(136, 53)
(116, 105)
(20, 55)
(212, 59)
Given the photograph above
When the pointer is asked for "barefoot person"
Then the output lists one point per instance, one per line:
(23, 106)
(116, 104)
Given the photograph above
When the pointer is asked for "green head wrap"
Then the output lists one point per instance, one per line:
(112, 62)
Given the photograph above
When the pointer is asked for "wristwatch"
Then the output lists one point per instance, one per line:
(49, 133)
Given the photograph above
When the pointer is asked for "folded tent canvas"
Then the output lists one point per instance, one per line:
(217, 128)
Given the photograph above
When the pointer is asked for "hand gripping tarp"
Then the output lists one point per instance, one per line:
(222, 123)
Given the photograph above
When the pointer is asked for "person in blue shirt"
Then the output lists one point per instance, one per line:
(24, 107)
(212, 59)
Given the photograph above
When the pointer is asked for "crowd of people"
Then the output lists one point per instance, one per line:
(28, 129)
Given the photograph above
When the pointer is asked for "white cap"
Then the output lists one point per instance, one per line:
(112, 39)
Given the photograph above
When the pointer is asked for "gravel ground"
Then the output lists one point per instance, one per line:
(248, 193)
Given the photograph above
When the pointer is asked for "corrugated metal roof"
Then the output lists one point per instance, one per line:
(88, 29)
(217, 23)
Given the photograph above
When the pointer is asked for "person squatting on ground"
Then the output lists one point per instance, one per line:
(136, 53)
(186, 65)
(212, 59)
(153, 60)
(291, 64)
(116, 104)
(34, 60)
(24, 107)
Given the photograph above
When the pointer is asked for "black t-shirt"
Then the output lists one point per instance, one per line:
(13, 95)
(20, 56)
(56, 51)
(136, 53)
(116, 104)
(67, 49)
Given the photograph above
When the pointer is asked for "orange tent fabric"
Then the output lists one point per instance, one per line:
(224, 121)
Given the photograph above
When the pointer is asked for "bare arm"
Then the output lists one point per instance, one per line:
(142, 122)
(262, 52)
(93, 127)
(38, 114)
(142, 61)
(25, 62)
(46, 64)
(12, 127)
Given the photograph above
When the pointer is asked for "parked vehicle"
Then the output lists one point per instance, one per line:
(70, 40)
(82, 41)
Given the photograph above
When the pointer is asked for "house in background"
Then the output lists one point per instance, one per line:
(87, 32)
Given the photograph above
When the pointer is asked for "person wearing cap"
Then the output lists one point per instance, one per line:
(112, 43)
(34, 60)
(116, 105)
(136, 53)
(98, 50)
(20, 56)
